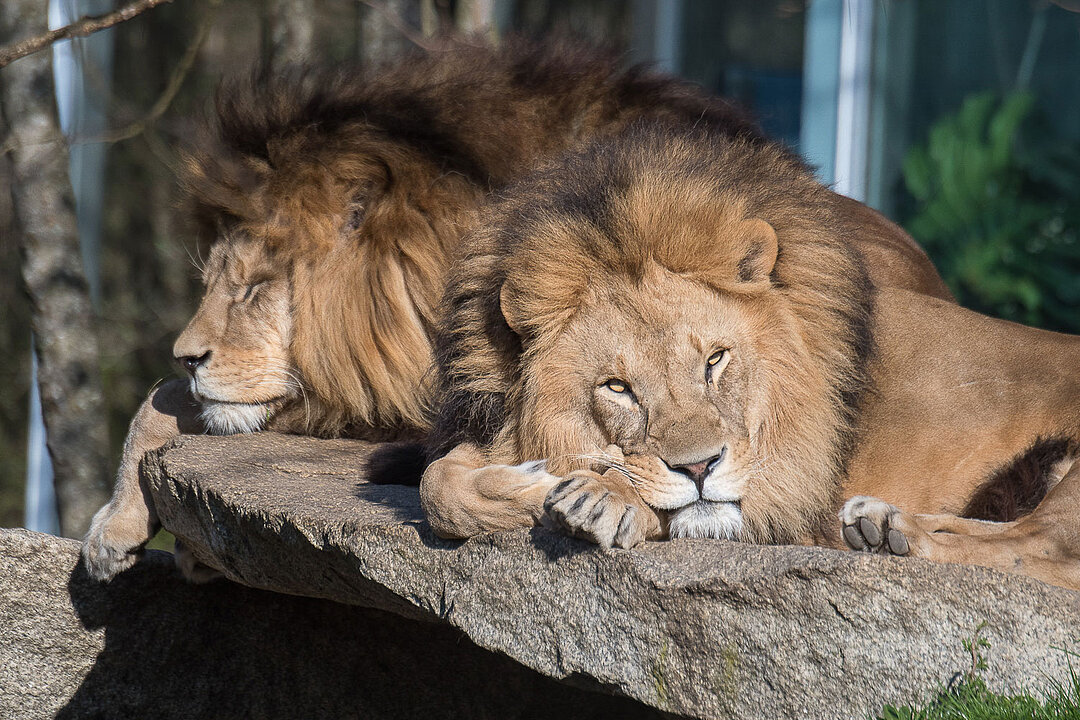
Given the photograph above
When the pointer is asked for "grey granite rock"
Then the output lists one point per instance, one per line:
(150, 645)
(692, 627)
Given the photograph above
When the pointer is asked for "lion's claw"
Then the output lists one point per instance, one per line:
(585, 508)
(898, 544)
(872, 525)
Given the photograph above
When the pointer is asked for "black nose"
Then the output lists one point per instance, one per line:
(191, 363)
(700, 470)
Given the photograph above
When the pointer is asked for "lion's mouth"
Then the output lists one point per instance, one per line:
(204, 397)
(230, 417)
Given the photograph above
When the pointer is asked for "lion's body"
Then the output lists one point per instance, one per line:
(957, 396)
(334, 203)
(681, 327)
(582, 261)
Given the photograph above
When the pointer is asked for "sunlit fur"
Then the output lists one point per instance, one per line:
(233, 418)
(704, 519)
(622, 270)
(635, 256)
(358, 184)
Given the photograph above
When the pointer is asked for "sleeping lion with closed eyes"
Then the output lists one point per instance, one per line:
(671, 334)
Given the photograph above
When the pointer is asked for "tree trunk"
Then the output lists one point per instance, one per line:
(69, 373)
(476, 17)
(380, 37)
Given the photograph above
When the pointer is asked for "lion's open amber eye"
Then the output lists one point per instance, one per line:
(716, 357)
(617, 386)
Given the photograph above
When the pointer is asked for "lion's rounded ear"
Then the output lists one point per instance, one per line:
(506, 305)
(759, 241)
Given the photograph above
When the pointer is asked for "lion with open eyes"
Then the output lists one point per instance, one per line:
(632, 319)
(672, 335)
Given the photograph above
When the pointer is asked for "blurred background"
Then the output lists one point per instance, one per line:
(960, 120)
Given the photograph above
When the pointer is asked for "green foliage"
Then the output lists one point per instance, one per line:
(970, 699)
(974, 646)
(998, 210)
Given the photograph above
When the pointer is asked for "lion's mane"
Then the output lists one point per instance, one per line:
(362, 181)
(818, 279)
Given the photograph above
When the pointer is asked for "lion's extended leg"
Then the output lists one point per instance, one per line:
(462, 497)
(1044, 545)
(119, 530)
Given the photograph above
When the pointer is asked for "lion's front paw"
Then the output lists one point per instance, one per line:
(587, 508)
(112, 545)
(872, 525)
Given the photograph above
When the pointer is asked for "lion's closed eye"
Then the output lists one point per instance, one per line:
(251, 290)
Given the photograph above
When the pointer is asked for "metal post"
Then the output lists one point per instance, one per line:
(821, 79)
(658, 33)
(853, 98)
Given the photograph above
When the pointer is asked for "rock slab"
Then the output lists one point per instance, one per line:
(696, 628)
(150, 645)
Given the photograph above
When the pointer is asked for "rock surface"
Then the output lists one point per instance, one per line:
(692, 627)
(150, 645)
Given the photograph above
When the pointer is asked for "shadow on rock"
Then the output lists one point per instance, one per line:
(175, 650)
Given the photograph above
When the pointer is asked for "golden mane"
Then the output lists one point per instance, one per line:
(361, 182)
(658, 196)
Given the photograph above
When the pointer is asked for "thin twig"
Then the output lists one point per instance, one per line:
(176, 80)
(80, 28)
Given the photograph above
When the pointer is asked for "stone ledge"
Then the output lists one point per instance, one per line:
(150, 645)
(692, 627)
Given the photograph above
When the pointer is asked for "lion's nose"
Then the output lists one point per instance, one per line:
(192, 363)
(700, 470)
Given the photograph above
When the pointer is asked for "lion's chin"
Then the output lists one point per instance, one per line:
(706, 519)
(224, 418)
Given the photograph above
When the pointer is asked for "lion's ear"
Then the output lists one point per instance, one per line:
(506, 305)
(757, 238)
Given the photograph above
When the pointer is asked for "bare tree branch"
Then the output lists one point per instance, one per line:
(160, 106)
(80, 28)
(176, 81)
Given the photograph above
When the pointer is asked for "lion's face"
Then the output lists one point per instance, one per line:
(236, 348)
(677, 374)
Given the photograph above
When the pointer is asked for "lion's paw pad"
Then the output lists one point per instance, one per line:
(872, 525)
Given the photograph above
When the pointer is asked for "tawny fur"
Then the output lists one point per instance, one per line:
(628, 265)
(607, 221)
(333, 202)
(359, 184)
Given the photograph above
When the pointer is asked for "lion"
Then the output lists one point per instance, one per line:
(672, 334)
(333, 202)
